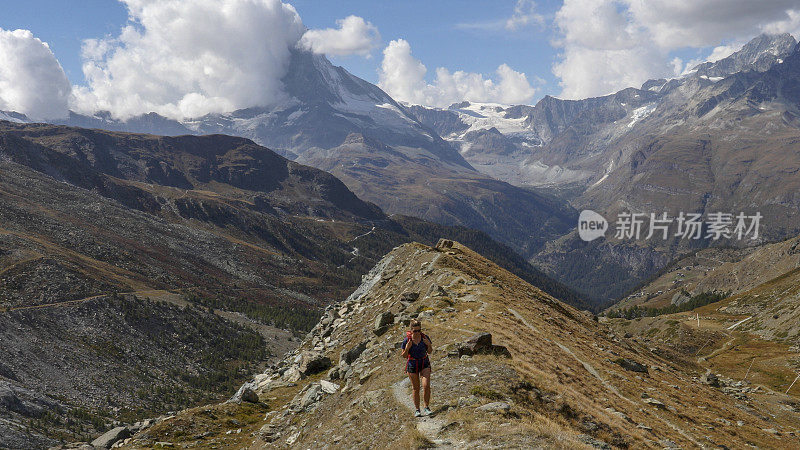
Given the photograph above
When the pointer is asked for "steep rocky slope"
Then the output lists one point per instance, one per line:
(115, 249)
(729, 270)
(551, 377)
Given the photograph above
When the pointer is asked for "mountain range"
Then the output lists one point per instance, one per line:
(673, 145)
(352, 129)
(130, 262)
(720, 138)
(148, 265)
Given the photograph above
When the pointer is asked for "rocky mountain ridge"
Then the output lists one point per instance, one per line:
(129, 262)
(512, 367)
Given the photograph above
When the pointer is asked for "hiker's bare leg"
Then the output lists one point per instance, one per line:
(425, 378)
(415, 391)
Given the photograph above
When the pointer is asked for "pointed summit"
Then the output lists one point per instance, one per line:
(761, 53)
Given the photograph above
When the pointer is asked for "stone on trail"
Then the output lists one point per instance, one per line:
(495, 407)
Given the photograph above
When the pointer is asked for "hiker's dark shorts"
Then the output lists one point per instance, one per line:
(413, 364)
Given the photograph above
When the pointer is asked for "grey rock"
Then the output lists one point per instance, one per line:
(478, 343)
(245, 392)
(311, 396)
(313, 362)
(710, 379)
(631, 365)
(495, 407)
(250, 396)
(382, 322)
(110, 437)
(351, 355)
(328, 387)
(293, 374)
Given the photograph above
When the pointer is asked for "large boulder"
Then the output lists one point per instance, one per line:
(250, 396)
(631, 365)
(293, 374)
(245, 393)
(312, 362)
(328, 387)
(382, 322)
(311, 396)
(478, 343)
(351, 355)
(110, 437)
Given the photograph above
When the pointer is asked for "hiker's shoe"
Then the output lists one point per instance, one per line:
(427, 411)
(417, 413)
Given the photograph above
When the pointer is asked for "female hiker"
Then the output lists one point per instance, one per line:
(416, 347)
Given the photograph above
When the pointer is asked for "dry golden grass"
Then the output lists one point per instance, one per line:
(561, 381)
(413, 440)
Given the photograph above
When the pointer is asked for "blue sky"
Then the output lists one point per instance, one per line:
(440, 34)
(431, 27)
(567, 48)
(64, 25)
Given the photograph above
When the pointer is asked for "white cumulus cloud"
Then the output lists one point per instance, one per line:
(355, 36)
(191, 57)
(524, 15)
(607, 45)
(32, 81)
(403, 77)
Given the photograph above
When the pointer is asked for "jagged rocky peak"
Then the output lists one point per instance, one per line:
(511, 366)
(13, 116)
(311, 78)
(760, 54)
(459, 105)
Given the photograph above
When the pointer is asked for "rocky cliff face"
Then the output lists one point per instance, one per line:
(512, 367)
